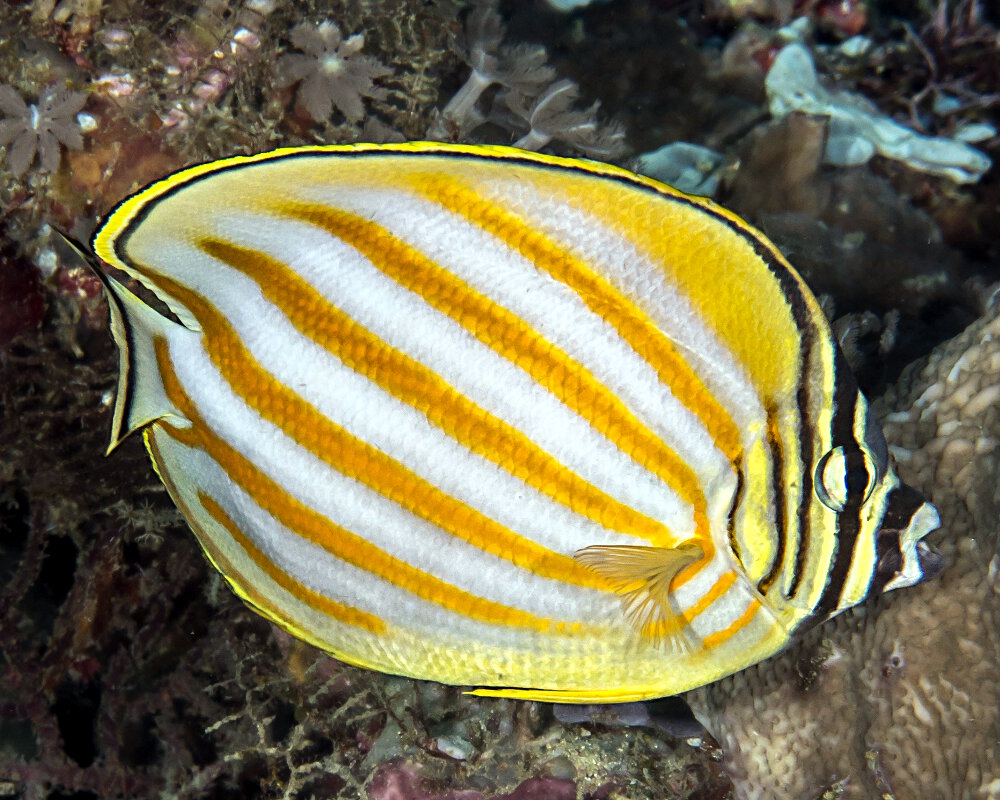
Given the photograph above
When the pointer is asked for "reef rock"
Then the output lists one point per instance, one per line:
(900, 698)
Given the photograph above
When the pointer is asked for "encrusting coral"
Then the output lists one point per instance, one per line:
(39, 128)
(331, 72)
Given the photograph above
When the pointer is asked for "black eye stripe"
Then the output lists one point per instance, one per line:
(875, 441)
(903, 504)
(845, 477)
(858, 479)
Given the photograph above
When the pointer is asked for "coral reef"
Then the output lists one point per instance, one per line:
(900, 698)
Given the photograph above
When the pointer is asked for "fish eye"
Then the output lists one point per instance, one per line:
(845, 477)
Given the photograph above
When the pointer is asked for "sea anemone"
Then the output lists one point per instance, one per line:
(331, 71)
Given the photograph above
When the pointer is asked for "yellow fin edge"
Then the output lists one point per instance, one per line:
(574, 696)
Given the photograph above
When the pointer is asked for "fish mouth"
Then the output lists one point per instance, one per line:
(931, 561)
(915, 561)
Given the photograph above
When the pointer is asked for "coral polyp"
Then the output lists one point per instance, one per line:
(40, 128)
(331, 71)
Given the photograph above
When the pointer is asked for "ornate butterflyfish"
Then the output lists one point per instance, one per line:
(481, 416)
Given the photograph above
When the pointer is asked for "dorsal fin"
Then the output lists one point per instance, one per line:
(642, 576)
(135, 326)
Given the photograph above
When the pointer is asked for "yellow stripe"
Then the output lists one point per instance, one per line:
(357, 459)
(632, 324)
(339, 611)
(513, 339)
(730, 631)
(719, 588)
(414, 384)
(243, 587)
(336, 540)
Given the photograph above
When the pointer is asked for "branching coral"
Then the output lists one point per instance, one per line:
(39, 129)
(331, 71)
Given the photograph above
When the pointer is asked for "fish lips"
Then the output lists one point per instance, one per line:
(932, 562)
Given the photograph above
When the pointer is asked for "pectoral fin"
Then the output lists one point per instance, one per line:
(642, 577)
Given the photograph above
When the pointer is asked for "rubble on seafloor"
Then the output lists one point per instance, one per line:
(127, 669)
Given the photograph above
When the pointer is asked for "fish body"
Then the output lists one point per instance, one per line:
(499, 419)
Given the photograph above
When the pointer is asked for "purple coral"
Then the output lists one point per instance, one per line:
(331, 70)
(39, 129)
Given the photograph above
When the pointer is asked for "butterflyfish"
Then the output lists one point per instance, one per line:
(536, 425)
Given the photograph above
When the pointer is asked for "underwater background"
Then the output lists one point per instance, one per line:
(858, 136)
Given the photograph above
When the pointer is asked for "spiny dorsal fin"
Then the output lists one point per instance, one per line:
(136, 327)
(642, 576)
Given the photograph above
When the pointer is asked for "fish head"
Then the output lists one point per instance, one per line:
(881, 522)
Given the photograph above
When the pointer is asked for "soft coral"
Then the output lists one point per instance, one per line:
(39, 128)
(551, 116)
(521, 68)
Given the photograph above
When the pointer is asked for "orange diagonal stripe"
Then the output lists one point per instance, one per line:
(631, 322)
(731, 630)
(335, 539)
(357, 459)
(413, 383)
(719, 588)
(244, 587)
(322, 603)
(516, 341)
